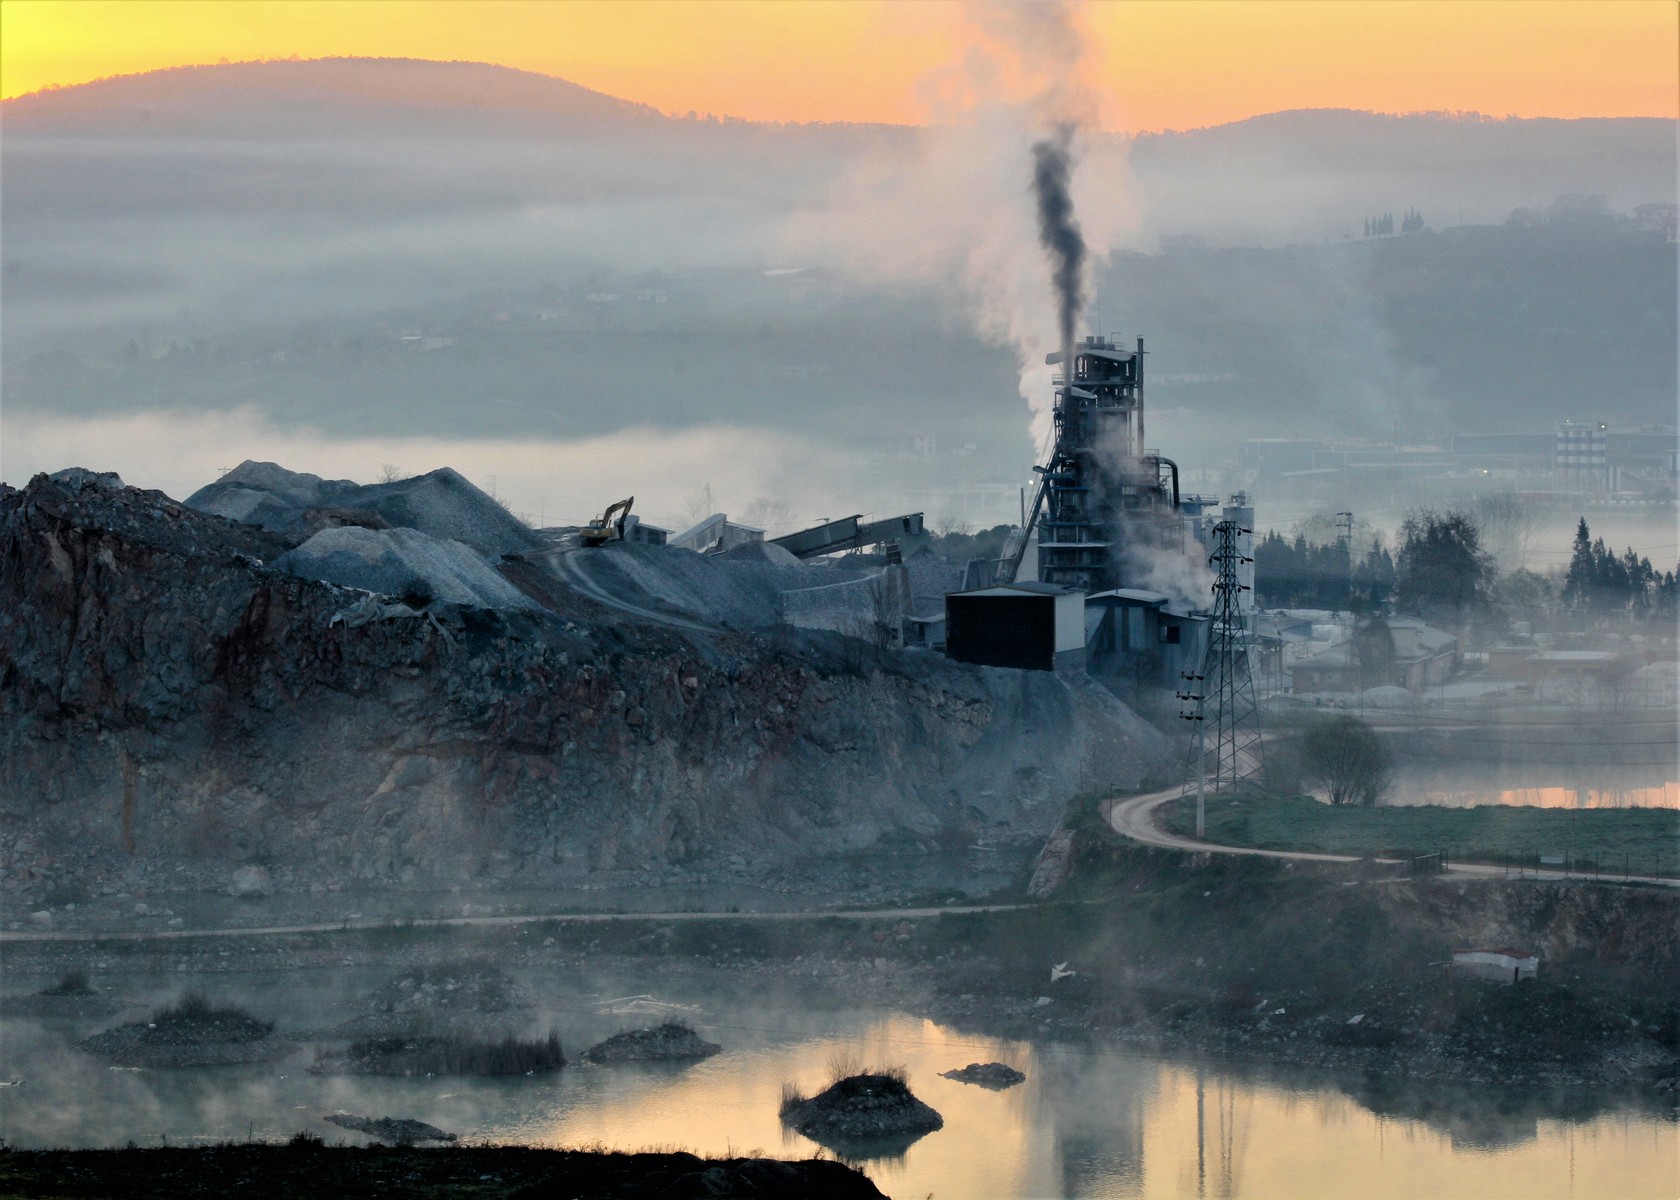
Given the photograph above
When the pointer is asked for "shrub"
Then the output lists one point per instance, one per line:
(1345, 757)
(194, 1014)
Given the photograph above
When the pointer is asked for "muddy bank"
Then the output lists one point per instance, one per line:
(484, 1172)
(1324, 969)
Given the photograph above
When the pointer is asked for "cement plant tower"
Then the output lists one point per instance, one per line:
(1099, 474)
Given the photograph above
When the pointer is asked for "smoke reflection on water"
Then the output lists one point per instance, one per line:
(1098, 1124)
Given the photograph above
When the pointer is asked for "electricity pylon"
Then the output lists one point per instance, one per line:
(1224, 690)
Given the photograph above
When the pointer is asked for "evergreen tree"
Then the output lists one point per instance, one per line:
(1578, 582)
(1442, 572)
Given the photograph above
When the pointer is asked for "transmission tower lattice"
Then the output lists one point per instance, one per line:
(1227, 714)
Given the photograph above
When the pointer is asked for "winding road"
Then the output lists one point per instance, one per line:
(1134, 817)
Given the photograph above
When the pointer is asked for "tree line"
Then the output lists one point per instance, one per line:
(1441, 571)
(1601, 583)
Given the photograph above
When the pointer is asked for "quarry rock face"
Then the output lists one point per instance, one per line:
(171, 703)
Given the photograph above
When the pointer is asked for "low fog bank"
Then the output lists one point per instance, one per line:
(366, 249)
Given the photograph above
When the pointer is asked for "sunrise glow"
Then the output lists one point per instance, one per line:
(1162, 64)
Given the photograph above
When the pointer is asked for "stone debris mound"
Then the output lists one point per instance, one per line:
(396, 1131)
(988, 1075)
(863, 1114)
(672, 1041)
(191, 1033)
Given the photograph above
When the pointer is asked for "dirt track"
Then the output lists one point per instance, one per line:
(1134, 817)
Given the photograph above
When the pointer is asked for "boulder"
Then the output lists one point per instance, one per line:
(987, 1075)
(248, 883)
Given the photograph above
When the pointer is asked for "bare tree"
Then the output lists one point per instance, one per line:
(768, 514)
(391, 473)
(951, 523)
(699, 505)
(1344, 756)
(1510, 527)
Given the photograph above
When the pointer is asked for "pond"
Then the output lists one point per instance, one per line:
(1541, 785)
(1086, 1123)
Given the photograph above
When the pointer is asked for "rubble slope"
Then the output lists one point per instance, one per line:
(169, 704)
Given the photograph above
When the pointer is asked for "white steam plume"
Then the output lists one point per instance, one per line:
(958, 207)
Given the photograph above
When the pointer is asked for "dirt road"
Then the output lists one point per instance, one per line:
(1134, 817)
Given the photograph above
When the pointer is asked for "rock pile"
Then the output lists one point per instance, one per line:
(873, 1113)
(664, 1043)
(988, 1075)
(191, 1033)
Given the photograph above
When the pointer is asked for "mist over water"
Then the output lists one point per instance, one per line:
(1084, 1124)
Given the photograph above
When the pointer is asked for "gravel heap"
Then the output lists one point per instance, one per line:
(988, 1075)
(663, 1043)
(404, 563)
(442, 503)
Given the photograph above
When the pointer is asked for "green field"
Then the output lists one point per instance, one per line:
(1643, 841)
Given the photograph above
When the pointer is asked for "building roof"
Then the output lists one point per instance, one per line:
(1336, 658)
(1027, 588)
(1128, 596)
(1506, 951)
(1573, 656)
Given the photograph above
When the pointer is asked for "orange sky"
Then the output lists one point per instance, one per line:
(1165, 63)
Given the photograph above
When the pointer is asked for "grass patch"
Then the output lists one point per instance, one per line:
(194, 1016)
(446, 1056)
(1643, 841)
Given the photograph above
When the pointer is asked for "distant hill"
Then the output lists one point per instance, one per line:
(1314, 173)
(333, 95)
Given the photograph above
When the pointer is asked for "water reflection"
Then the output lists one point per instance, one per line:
(1603, 786)
(1086, 1123)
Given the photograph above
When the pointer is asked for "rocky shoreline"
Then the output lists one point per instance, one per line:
(306, 1167)
(971, 973)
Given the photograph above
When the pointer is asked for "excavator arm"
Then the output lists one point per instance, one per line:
(606, 528)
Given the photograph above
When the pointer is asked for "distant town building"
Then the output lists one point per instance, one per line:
(1580, 454)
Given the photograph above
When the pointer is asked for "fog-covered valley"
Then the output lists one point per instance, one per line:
(355, 755)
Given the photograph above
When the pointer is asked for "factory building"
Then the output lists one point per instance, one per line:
(1104, 506)
(1029, 626)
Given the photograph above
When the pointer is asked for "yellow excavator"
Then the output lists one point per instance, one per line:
(606, 528)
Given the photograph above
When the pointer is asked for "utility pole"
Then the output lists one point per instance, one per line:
(1344, 534)
(1198, 715)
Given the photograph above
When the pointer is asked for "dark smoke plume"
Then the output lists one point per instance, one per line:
(1058, 231)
